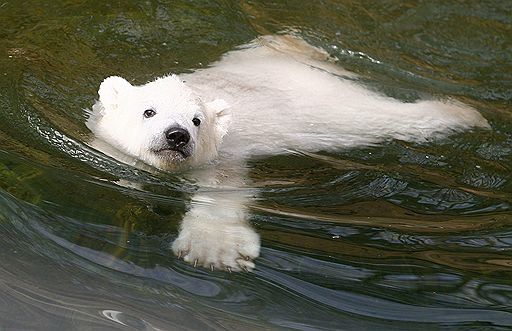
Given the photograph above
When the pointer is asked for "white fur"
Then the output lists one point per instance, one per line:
(118, 119)
(285, 95)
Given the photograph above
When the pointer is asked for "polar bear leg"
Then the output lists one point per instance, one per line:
(214, 233)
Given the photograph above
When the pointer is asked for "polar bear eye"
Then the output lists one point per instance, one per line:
(149, 113)
(196, 121)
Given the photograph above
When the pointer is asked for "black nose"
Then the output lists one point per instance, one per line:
(177, 138)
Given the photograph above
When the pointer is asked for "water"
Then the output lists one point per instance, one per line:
(394, 237)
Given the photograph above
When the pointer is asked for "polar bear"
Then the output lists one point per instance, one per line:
(274, 95)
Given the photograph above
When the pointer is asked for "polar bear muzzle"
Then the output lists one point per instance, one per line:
(177, 138)
(177, 144)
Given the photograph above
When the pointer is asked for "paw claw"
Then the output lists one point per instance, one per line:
(195, 263)
(228, 269)
(212, 267)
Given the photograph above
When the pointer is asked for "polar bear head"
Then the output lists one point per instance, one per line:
(162, 123)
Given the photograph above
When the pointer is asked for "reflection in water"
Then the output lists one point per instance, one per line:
(396, 236)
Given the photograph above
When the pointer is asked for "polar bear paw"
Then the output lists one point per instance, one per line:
(216, 245)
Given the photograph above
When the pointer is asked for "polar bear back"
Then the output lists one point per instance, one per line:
(285, 95)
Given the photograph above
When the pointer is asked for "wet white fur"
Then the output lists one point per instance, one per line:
(283, 95)
(118, 119)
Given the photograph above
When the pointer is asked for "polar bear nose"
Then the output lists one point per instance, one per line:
(177, 137)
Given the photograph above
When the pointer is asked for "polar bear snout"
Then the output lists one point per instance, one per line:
(177, 138)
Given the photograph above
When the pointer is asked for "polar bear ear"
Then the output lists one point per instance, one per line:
(110, 89)
(222, 111)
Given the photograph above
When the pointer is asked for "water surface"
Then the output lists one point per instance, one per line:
(393, 237)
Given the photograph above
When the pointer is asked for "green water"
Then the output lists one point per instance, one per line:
(395, 237)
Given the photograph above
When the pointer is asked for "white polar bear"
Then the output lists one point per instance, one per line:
(274, 95)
